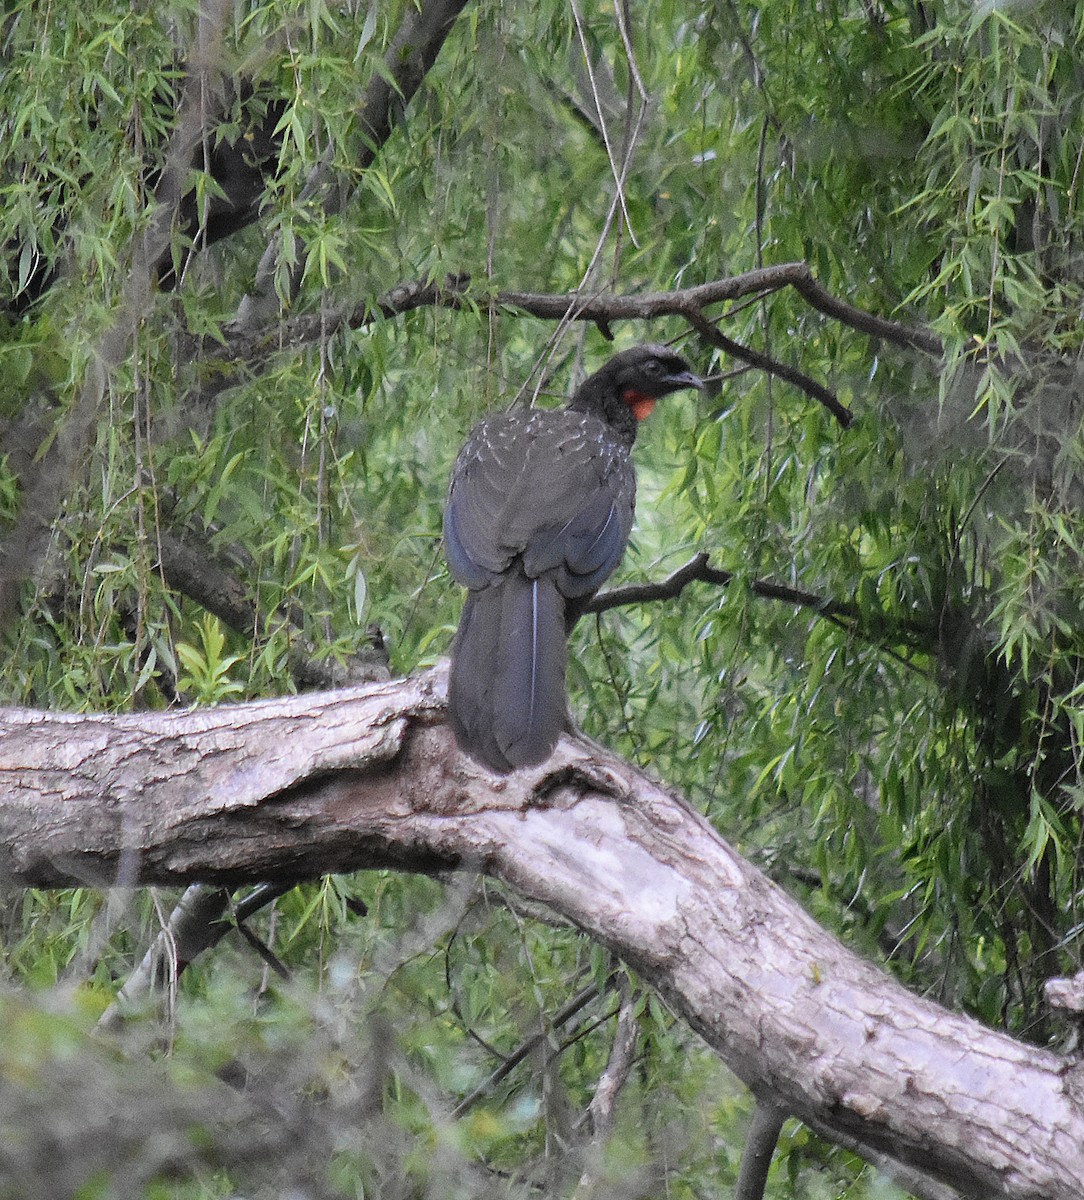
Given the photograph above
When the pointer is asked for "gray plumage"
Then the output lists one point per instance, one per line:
(539, 512)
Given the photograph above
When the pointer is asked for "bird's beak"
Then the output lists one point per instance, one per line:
(685, 379)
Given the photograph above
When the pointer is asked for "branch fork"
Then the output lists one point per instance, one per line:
(290, 789)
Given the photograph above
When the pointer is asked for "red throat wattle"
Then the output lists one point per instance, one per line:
(640, 403)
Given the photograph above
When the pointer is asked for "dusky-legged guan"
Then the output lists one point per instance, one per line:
(538, 515)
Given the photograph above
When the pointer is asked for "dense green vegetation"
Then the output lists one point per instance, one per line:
(908, 763)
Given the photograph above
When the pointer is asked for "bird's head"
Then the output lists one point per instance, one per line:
(635, 379)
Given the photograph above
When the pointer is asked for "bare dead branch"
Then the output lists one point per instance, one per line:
(602, 1110)
(600, 1116)
(866, 322)
(198, 923)
(841, 612)
(651, 305)
(294, 788)
(645, 306)
(195, 925)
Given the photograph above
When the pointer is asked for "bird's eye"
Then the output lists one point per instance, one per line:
(653, 367)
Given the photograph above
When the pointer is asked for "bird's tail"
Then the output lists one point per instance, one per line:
(506, 694)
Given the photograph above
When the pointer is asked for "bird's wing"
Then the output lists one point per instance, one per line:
(555, 488)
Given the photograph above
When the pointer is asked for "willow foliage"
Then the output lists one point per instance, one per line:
(909, 762)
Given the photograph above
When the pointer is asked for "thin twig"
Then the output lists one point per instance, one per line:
(580, 1000)
(617, 172)
(710, 332)
(698, 569)
(264, 951)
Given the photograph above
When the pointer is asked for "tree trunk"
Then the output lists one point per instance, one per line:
(295, 788)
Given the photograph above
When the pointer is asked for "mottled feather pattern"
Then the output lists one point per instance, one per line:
(539, 513)
(518, 482)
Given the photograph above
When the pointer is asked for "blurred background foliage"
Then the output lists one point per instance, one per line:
(910, 766)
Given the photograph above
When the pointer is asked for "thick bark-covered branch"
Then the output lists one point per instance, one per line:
(290, 789)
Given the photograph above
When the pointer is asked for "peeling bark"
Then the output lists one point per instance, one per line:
(294, 788)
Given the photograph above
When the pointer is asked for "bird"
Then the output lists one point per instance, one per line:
(538, 515)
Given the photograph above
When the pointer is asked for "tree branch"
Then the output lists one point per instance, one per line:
(602, 1110)
(601, 1114)
(866, 322)
(698, 569)
(412, 52)
(525, 1048)
(254, 349)
(198, 923)
(841, 612)
(193, 571)
(711, 334)
(760, 1142)
(290, 789)
(46, 487)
